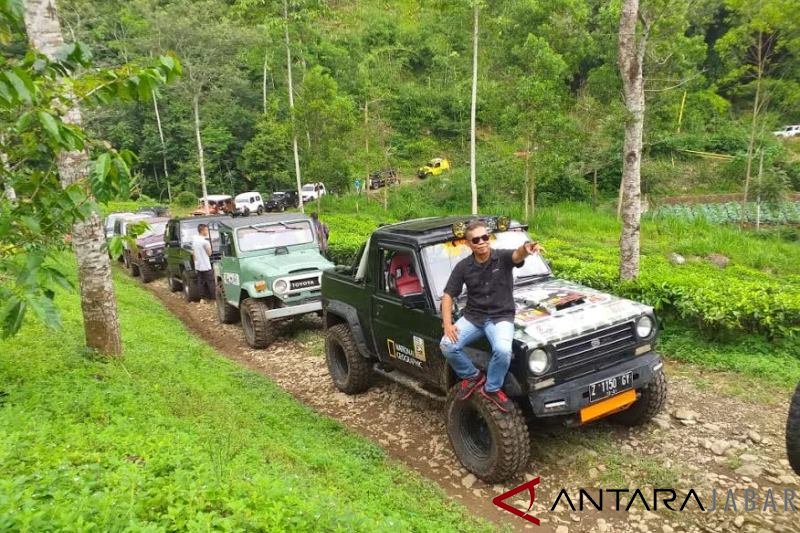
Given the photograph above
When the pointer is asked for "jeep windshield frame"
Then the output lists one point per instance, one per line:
(273, 235)
(439, 259)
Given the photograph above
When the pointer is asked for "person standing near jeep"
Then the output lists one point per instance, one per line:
(201, 251)
(490, 309)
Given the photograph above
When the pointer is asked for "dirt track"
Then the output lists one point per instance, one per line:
(705, 439)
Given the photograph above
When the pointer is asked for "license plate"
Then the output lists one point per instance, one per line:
(611, 386)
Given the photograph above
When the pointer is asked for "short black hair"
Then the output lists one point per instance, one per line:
(314, 215)
(201, 227)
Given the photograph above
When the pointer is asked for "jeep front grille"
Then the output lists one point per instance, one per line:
(593, 347)
(304, 283)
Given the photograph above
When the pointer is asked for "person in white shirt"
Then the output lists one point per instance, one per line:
(201, 250)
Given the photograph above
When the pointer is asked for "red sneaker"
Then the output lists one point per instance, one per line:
(468, 386)
(498, 398)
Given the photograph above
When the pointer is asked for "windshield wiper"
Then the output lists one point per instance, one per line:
(533, 276)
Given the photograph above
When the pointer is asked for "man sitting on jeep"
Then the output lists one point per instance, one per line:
(487, 273)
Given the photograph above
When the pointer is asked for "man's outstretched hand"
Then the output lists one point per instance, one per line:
(533, 248)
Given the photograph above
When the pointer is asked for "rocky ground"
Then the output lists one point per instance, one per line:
(715, 434)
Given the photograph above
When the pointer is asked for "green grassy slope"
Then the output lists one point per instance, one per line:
(176, 437)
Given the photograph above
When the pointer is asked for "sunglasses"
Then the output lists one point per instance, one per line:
(477, 240)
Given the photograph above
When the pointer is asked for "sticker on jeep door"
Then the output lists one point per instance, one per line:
(231, 278)
(402, 353)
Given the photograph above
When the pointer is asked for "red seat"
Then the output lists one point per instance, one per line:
(405, 280)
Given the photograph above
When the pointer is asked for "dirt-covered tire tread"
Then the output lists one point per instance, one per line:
(191, 292)
(652, 400)
(148, 274)
(226, 313)
(358, 373)
(793, 432)
(174, 284)
(263, 332)
(509, 432)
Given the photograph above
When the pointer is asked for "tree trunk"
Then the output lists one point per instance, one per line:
(631, 56)
(200, 158)
(526, 181)
(594, 189)
(264, 80)
(163, 145)
(753, 123)
(366, 145)
(472, 173)
(11, 194)
(98, 304)
(291, 105)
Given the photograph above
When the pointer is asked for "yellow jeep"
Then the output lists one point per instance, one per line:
(435, 166)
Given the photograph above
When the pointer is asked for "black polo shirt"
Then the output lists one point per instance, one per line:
(490, 287)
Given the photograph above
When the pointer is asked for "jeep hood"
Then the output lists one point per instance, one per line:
(556, 309)
(273, 266)
(150, 241)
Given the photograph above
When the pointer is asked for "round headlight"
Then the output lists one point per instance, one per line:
(538, 361)
(644, 327)
(280, 286)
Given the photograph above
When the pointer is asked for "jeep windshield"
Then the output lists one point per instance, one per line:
(156, 228)
(266, 236)
(440, 260)
(277, 196)
(308, 188)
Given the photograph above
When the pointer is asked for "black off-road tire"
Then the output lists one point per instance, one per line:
(491, 444)
(350, 371)
(652, 399)
(148, 274)
(793, 432)
(258, 331)
(260, 210)
(226, 313)
(133, 269)
(174, 284)
(191, 292)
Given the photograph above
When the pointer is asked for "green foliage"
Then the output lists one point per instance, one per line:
(35, 97)
(179, 438)
(186, 199)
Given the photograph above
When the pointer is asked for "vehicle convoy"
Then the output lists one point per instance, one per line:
(579, 354)
(793, 432)
(269, 269)
(434, 167)
(145, 256)
(178, 237)
(249, 202)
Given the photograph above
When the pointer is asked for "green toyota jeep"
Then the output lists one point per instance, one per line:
(269, 269)
(578, 354)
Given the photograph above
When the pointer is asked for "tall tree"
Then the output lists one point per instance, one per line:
(632, 46)
(472, 171)
(98, 304)
(291, 104)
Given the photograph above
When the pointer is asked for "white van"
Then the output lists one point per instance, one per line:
(250, 200)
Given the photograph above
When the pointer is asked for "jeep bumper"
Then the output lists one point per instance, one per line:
(570, 397)
(292, 310)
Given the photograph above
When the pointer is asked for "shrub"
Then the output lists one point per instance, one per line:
(186, 199)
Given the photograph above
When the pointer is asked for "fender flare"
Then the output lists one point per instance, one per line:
(349, 315)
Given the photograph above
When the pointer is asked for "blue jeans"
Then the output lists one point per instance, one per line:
(500, 337)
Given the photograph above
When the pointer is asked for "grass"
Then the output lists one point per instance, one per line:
(176, 437)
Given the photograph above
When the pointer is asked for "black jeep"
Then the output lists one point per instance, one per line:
(180, 261)
(383, 178)
(281, 200)
(579, 354)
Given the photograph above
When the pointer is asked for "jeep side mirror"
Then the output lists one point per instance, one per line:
(415, 301)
